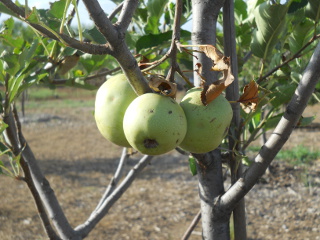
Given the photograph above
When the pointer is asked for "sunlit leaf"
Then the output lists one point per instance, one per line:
(57, 8)
(193, 165)
(270, 20)
(155, 11)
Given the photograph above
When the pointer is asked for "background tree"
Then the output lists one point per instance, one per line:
(284, 36)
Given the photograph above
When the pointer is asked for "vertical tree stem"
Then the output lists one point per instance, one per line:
(232, 94)
(214, 224)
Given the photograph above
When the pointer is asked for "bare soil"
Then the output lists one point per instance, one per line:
(162, 201)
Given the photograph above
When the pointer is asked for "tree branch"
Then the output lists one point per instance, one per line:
(279, 136)
(232, 94)
(115, 179)
(192, 226)
(85, 228)
(128, 9)
(40, 187)
(15, 123)
(101, 20)
(120, 51)
(204, 25)
(82, 46)
(115, 11)
(296, 55)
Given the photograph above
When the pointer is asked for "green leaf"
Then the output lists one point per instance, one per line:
(156, 7)
(155, 11)
(282, 94)
(10, 63)
(301, 35)
(94, 35)
(94, 62)
(313, 10)
(33, 16)
(296, 5)
(270, 20)
(272, 122)
(306, 121)
(192, 165)
(152, 40)
(6, 35)
(57, 8)
(3, 126)
(14, 84)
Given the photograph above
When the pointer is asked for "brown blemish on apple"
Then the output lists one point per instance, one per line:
(150, 143)
(213, 119)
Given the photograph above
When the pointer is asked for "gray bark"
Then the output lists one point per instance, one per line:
(215, 223)
(232, 94)
(280, 135)
(204, 25)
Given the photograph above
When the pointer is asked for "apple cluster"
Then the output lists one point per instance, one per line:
(155, 124)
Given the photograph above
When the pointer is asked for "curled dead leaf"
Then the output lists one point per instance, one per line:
(250, 97)
(219, 61)
(159, 84)
(68, 63)
(211, 92)
(144, 62)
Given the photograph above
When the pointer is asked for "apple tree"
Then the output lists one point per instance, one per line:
(259, 55)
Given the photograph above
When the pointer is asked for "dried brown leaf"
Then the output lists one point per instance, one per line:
(144, 62)
(219, 61)
(159, 84)
(211, 92)
(68, 63)
(250, 97)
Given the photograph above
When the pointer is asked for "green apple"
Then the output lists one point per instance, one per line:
(112, 100)
(154, 124)
(207, 125)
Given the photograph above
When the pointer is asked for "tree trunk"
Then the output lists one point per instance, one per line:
(215, 223)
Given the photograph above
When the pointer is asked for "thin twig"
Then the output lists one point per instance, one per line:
(296, 55)
(115, 179)
(280, 135)
(98, 75)
(85, 228)
(16, 139)
(99, 49)
(73, 12)
(115, 11)
(192, 226)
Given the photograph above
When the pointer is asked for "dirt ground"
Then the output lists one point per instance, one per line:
(162, 201)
